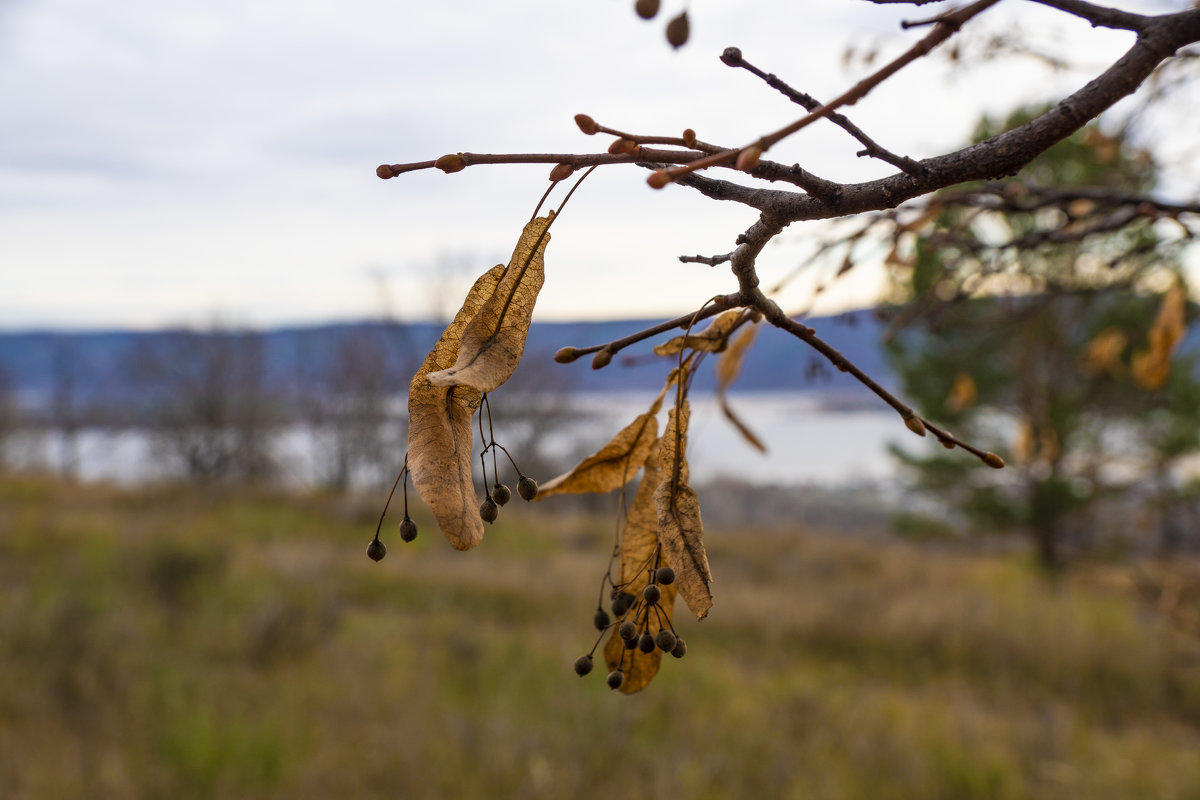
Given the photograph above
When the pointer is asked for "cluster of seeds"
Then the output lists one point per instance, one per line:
(631, 614)
(489, 509)
(499, 494)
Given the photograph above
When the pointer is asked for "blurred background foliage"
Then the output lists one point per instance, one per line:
(1043, 326)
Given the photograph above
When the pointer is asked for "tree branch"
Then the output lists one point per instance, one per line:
(916, 423)
(944, 29)
(1099, 16)
(605, 352)
(1006, 153)
(733, 58)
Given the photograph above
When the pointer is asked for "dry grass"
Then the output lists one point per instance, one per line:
(184, 644)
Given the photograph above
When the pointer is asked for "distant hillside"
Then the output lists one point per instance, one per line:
(97, 364)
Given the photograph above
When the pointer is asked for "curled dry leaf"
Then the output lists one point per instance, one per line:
(963, 393)
(1152, 367)
(439, 429)
(729, 366)
(679, 526)
(639, 541)
(1103, 353)
(613, 465)
(712, 339)
(494, 340)
(742, 428)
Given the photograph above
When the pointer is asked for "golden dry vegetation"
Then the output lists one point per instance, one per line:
(182, 643)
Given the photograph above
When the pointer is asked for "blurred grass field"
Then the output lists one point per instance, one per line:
(189, 643)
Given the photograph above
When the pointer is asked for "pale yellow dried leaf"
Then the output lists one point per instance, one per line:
(1035, 442)
(1023, 445)
(613, 465)
(963, 393)
(1152, 367)
(729, 365)
(1103, 353)
(680, 529)
(742, 428)
(712, 339)
(639, 543)
(439, 429)
(494, 340)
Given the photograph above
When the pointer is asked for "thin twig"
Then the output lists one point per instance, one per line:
(386, 171)
(1099, 16)
(945, 28)
(712, 261)
(715, 306)
(810, 103)
(775, 315)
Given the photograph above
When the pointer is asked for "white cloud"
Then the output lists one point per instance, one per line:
(169, 161)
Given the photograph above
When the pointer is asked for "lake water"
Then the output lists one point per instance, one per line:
(810, 440)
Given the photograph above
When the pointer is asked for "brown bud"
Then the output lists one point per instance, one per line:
(677, 30)
(646, 9)
(748, 158)
(385, 171)
(450, 163)
(946, 443)
(915, 425)
(994, 461)
(602, 359)
(566, 355)
(623, 147)
(586, 124)
(561, 172)
(658, 179)
(689, 137)
(731, 57)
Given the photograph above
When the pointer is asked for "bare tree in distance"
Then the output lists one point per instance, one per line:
(206, 401)
(658, 551)
(347, 399)
(9, 416)
(64, 403)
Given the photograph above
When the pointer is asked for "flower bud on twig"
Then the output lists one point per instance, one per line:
(915, 425)
(561, 172)
(566, 355)
(623, 147)
(452, 162)
(658, 179)
(586, 124)
(747, 160)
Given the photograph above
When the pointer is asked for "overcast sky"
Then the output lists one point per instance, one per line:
(175, 161)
